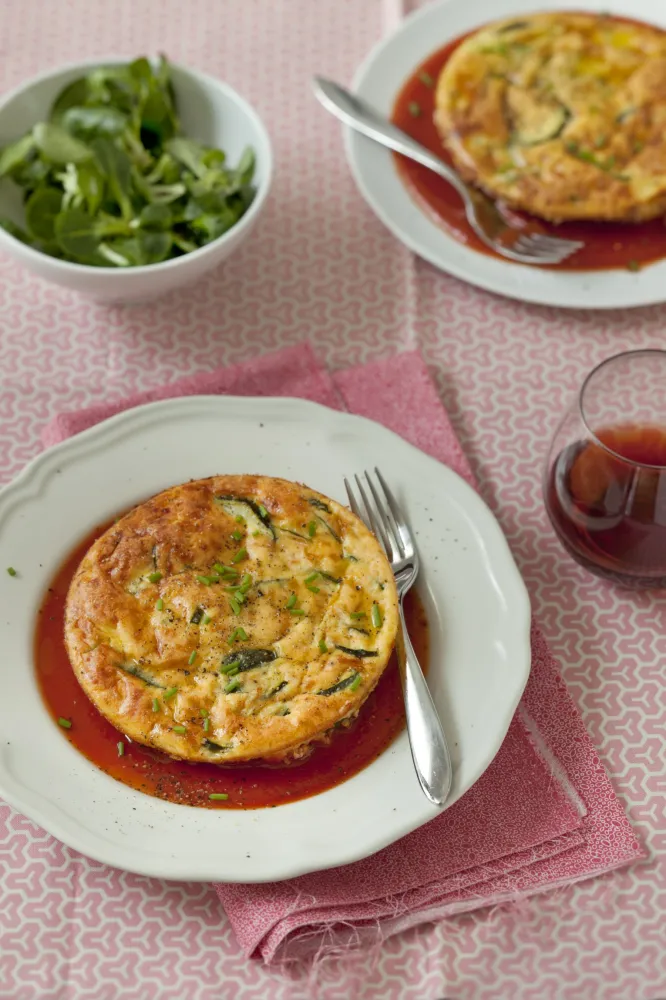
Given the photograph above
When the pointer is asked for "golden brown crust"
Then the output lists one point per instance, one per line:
(147, 596)
(562, 115)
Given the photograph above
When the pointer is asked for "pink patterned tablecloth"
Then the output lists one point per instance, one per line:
(321, 266)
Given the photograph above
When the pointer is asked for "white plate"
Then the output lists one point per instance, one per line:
(379, 81)
(477, 605)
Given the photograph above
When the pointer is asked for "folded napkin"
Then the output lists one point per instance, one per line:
(543, 815)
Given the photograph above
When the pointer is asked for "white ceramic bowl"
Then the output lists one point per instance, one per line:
(210, 111)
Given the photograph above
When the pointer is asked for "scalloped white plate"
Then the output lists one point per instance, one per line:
(379, 80)
(477, 604)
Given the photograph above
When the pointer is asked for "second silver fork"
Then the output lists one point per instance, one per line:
(525, 247)
(430, 752)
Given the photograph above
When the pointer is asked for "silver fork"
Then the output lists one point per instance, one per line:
(430, 753)
(526, 245)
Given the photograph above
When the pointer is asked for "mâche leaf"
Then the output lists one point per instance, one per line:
(58, 146)
(88, 123)
(76, 233)
(116, 167)
(16, 153)
(41, 211)
(74, 93)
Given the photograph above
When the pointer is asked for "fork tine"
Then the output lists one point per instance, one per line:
(395, 513)
(384, 515)
(541, 249)
(536, 256)
(352, 501)
(552, 244)
(555, 241)
(375, 524)
(551, 240)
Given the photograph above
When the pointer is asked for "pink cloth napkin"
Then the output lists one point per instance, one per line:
(543, 815)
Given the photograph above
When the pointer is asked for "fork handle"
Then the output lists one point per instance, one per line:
(354, 112)
(430, 752)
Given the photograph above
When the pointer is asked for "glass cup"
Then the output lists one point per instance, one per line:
(605, 478)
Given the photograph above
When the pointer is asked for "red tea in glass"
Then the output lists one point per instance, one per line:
(605, 483)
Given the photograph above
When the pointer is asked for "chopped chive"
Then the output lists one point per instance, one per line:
(246, 583)
(193, 656)
(228, 668)
(357, 614)
(204, 712)
(159, 604)
(232, 686)
(222, 570)
(236, 535)
(154, 577)
(255, 534)
(214, 577)
(240, 555)
(206, 580)
(323, 648)
(218, 796)
(239, 595)
(179, 729)
(238, 633)
(296, 611)
(262, 510)
(376, 616)
(206, 724)
(312, 528)
(233, 670)
(121, 748)
(206, 620)
(65, 723)
(11, 571)
(291, 601)
(313, 576)
(235, 606)
(633, 265)
(315, 590)
(355, 683)
(426, 79)
(240, 519)
(414, 109)
(169, 693)
(156, 705)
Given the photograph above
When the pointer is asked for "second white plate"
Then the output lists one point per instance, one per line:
(476, 602)
(379, 81)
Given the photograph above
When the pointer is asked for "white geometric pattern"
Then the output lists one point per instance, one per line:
(321, 266)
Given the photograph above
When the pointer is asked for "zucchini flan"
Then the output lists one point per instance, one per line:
(233, 618)
(560, 114)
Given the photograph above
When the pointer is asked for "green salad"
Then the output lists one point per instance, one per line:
(110, 181)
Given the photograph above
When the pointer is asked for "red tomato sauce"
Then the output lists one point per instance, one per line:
(607, 244)
(248, 786)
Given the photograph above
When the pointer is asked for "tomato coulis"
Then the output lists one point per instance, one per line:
(249, 786)
(607, 244)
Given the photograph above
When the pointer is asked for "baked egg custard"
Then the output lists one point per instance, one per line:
(560, 114)
(232, 618)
